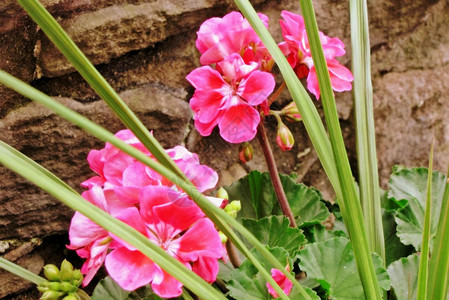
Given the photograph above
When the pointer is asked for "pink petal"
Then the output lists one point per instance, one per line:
(83, 231)
(205, 129)
(127, 194)
(130, 269)
(93, 181)
(206, 104)
(312, 83)
(256, 87)
(115, 166)
(201, 239)
(95, 161)
(205, 78)
(135, 175)
(239, 123)
(167, 287)
(207, 268)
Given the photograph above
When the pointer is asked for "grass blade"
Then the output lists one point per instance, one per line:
(352, 214)
(365, 132)
(425, 248)
(21, 272)
(61, 40)
(438, 280)
(215, 214)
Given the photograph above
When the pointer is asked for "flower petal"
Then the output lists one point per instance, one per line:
(206, 78)
(239, 123)
(256, 87)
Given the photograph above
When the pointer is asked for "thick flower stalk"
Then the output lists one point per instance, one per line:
(140, 197)
(296, 47)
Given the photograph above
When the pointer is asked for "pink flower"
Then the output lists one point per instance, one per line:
(178, 226)
(218, 38)
(89, 239)
(282, 280)
(226, 97)
(132, 192)
(296, 46)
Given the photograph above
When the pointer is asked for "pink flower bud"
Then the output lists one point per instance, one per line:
(246, 152)
(291, 112)
(284, 137)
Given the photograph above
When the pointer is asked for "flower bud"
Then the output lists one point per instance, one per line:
(51, 295)
(221, 193)
(245, 152)
(65, 274)
(54, 286)
(51, 272)
(67, 287)
(71, 297)
(43, 287)
(223, 237)
(77, 277)
(233, 208)
(284, 137)
(291, 112)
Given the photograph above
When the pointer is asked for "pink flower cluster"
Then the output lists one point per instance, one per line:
(234, 82)
(161, 211)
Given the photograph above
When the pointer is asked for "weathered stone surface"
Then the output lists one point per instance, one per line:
(63, 148)
(410, 108)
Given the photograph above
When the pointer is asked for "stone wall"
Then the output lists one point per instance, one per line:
(145, 48)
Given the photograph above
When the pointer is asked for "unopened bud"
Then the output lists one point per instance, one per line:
(51, 272)
(65, 274)
(77, 278)
(71, 297)
(221, 193)
(223, 237)
(51, 295)
(67, 287)
(233, 208)
(284, 137)
(246, 152)
(55, 286)
(291, 112)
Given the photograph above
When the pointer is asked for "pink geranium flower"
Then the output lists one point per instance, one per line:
(218, 38)
(178, 226)
(226, 97)
(137, 195)
(297, 49)
(282, 280)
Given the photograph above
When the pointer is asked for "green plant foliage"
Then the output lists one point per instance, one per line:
(404, 277)
(274, 231)
(394, 248)
(333, 265)
(258, 198)
(108, 289)
(319, 233)
(246, 282)
(410, 186)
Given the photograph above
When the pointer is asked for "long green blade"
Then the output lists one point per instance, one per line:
(352, 213)
(21, 272)
(365, 132)
(214, 213)
(307, 109)
(61, 40)
(20, 164)
(438, 280)
(425, 248)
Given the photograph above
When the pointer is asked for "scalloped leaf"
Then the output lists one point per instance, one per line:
(319, 233)
(333, 265)
(410, 185)
(246, 282)
(258, 198)
(404, 277)
(108, 289)
(274, 231)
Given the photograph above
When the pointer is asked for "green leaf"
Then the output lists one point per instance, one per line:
(411, 185)
(333, 265)
(404, 277)
(258, 198)
(108, 289)
(394, 248)
(319, 233)
(274, 231)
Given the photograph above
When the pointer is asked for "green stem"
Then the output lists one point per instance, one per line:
(274, 174)
(352, 214)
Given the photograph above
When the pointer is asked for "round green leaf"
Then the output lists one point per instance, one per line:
(333, 265)
(404, 277)
(410, 185)
(258, 198)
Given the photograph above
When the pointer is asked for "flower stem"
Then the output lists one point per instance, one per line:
(276, 94)
(233, 255)
(272, 169)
